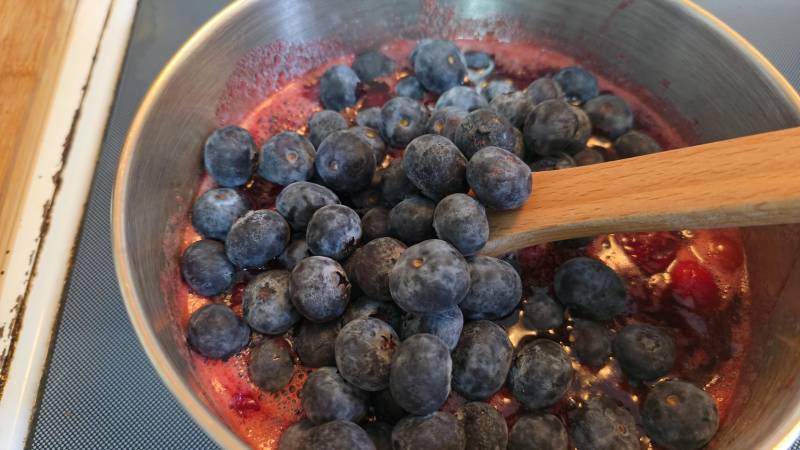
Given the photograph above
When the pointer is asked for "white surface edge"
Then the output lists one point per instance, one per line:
(100, 27)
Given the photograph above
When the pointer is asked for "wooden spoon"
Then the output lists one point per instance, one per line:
(754, 180)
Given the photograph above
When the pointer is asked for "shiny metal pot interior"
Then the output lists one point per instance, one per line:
(716, 80)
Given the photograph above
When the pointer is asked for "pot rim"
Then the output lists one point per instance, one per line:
(197, 410)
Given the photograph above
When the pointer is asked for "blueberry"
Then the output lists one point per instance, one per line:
(478, 60)
(600, 424)
(495, 88)
(590, 342)
(206, 269)
(460, 220)
(500, 179)
(445, 121)
(314, 343)
(416, 48)
(542, 313)
(367, 307)
(462, 97)
(324, 123)
(481, 360)
(409, 87)
(435, 166)
(296, 251)
(484, 427)
(542, 90)
(545, 164)
(437, 431)
(376, 259)
(386, 408)
(365, 200)
(271, 365)
(495, 289)
(679, 415)
(635, 143)
(395, 185)
(645, 352)
(589, 156)
(228, 155)
(375, 224)
(538, 432)
(287, 157)
(420, 374)
(216, 332)
(577, 83)
(445, 325)
(256, 238)
(299, 201)
(540, 374)
(381, 435)
(590, 288)
(294, 437)
(266, 304)
(373, 138)
(364, 351)
(429, 277)
(349, 265)
(337, 87)
(339, 435)
(513, 259)
(215, 211)
(556, 162)
(320, 289)
(484, 128)
(380, 170)
(333, 231)
(439, 66)
(411, 220)
(514, 106)
(556, 126)
(402, 120)
(345, 162)
(369, 117)
(327, 396)
(372, 64)
(610, 115)
(575, 243)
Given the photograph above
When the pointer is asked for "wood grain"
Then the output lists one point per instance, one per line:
(753, 180)
(33, 36)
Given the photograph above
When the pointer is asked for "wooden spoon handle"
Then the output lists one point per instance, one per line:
(754, 180)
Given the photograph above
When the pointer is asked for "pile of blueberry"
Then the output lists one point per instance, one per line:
(369, 266)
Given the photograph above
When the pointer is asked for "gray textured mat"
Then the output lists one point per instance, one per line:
(100, 391)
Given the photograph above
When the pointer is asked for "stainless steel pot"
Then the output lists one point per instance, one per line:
(716, 79)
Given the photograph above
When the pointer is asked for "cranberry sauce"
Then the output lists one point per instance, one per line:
(691, 282)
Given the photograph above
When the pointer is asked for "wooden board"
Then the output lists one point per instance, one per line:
(33, 36)
(59, 136)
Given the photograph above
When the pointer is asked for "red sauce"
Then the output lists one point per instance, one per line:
(691, 282)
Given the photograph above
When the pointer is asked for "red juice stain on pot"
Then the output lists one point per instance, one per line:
(271, 93)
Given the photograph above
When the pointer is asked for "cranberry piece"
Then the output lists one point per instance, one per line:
(244, 403)
(719, 251)
(694, 287)
(652, 252)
